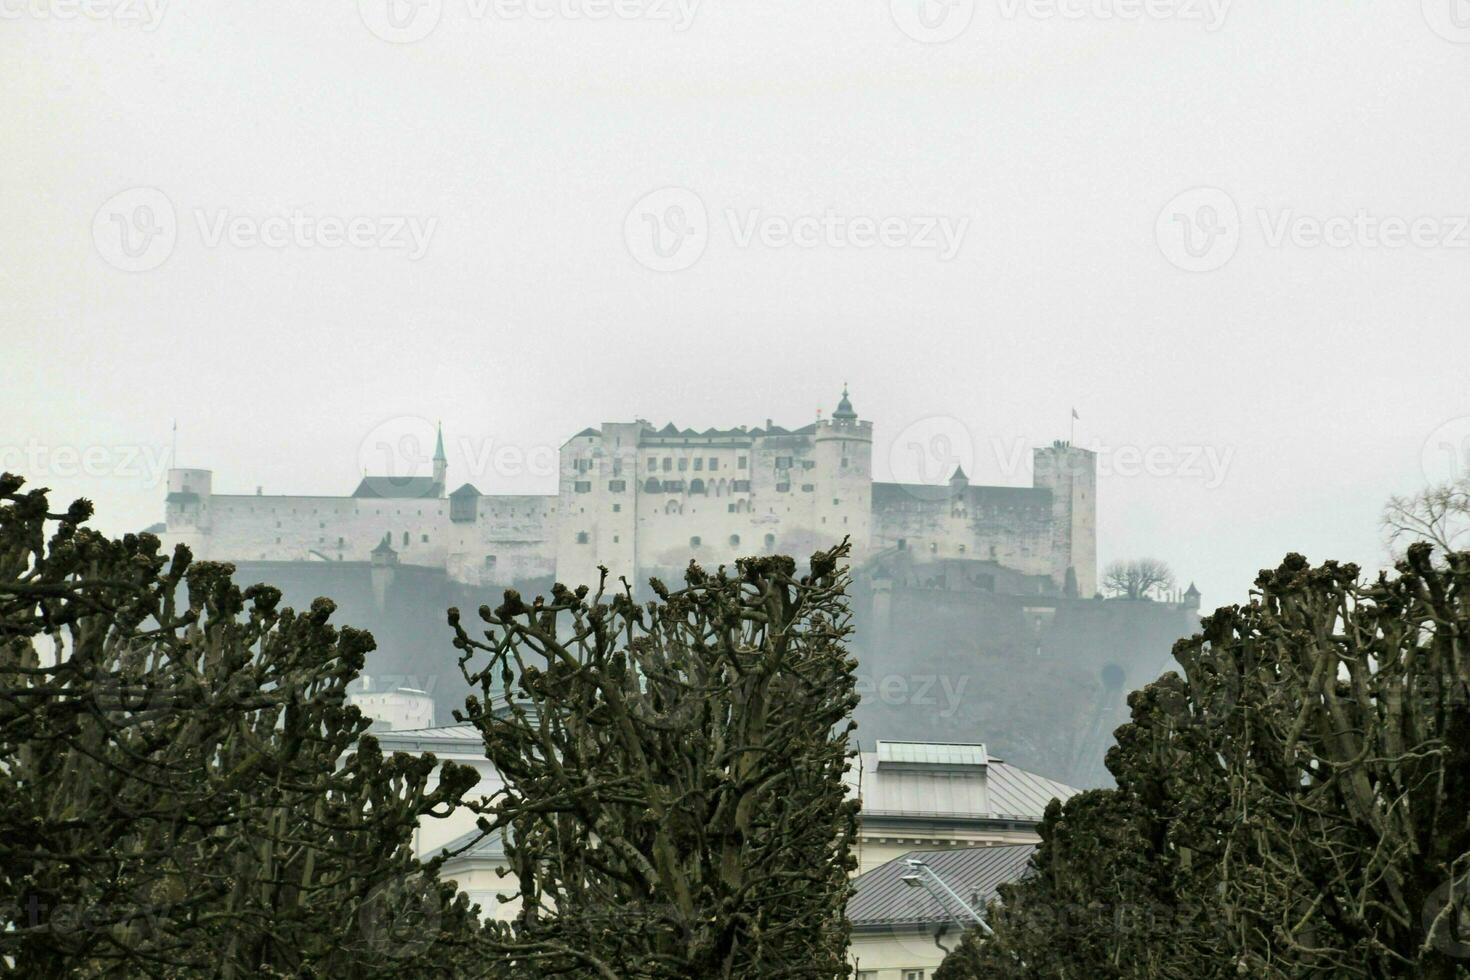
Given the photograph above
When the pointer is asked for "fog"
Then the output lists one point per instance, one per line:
(1232, 237)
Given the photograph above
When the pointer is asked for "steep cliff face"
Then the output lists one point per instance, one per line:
(1043, 681)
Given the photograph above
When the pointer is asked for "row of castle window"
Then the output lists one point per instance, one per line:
(696, 541)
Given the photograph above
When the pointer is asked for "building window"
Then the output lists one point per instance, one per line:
(728, 507)
(694, 541)
(405, 539)
(424, 538)
(651, 486)
(653, 462)
(617, 486)
(583, 486)
(835, 501)
(714, 463)
(808, 487)
(683, 464)
(734, 540)
(783, 462)
(339, 542)
(783, 488)
(913, 975)
(740, 463)
(668, 463)
(740, 486)
(696, 485)
(808, 464)
(617, 508)
(616, 539)
(770, 541)
(933, 547)
(699, 462)
(617, 467)
(583, 465)
(903, 544)
(672, 507)
(582, 537)
(489, 561)
(673, 486)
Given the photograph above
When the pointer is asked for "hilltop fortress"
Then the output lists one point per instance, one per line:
(643, 501)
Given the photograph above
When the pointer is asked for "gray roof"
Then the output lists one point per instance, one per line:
(398, 487)
(881, 899)
(959, 790)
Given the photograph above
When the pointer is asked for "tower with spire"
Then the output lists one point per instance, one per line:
(441, 464)
(843, 452)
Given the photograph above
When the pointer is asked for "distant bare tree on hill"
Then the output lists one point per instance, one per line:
(1137, 578)
(1439, 515)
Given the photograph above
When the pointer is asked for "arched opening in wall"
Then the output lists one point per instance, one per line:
(721, 488)
(673, 507)
(696, 485)
(651, 485)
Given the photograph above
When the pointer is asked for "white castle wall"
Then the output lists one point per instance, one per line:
(606, 513)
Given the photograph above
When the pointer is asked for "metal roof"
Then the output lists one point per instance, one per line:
(399, 487)
(880, 897)
(939, 754)
(998, 791)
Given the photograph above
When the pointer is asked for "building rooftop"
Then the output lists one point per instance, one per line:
(399, 487)
(882, 899)
(949, 783)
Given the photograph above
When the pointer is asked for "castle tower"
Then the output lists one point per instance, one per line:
(843, 452)
(1071, 476)
(187, 510)
(441, 464)
(1192, 598)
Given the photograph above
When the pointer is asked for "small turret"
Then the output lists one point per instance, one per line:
(959, 480)
(1191, 597)
(844, 407)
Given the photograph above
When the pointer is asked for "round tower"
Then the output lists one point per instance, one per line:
(843, 450)
(186, 509)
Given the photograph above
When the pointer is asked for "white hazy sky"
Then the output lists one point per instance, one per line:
(1322, 377)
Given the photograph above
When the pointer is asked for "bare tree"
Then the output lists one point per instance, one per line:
(1138, 578)
(183, 791)
(1439, 515)
(673, 800)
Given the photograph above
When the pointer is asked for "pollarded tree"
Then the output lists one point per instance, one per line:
(673, 798)
(1300, 796)
(183, 791)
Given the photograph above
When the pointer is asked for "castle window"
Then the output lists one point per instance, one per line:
(903, 544)
(651, 486)
(694, 541)
(740, 463)
(734, 540)
(783, 488)
(808, 487)
(424, 538)
(668, 463)
(730, 508)
(653, 462)
(714, 463)
(617, 508)
(583, 465)
(405, 539)
(835, 501)
(489, 561)
(583, 537)
(699, 462)
(616, 539)
(617, 486)
(783, 462)
(933, 547)
(672, 507)
(844, 462)
(962, 549)
(696, 485)
(808, 464)
(583, 486)
(673, 486)
(740, 486)
(340, 542)
(770, 541)
(321, 524)
(683, 464)
(617, 467)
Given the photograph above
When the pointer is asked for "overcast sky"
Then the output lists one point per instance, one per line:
(1232, 236)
